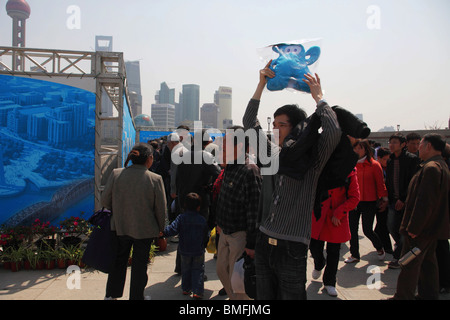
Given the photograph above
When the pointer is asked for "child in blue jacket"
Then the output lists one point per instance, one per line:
(193, 232)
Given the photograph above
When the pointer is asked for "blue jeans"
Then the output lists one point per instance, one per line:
(394, 221)
(192, 273)
(280, 269)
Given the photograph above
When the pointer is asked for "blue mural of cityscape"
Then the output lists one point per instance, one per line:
(46, 151)
(128, 133)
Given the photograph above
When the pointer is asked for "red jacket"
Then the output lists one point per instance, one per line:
(371, 181)
(339, 203)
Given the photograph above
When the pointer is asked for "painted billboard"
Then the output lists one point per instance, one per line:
(46, 151)
(128, 133)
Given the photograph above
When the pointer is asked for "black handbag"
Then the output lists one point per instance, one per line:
(99, 253)
(249, 276)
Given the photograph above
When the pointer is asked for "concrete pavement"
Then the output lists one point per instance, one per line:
(355, 281)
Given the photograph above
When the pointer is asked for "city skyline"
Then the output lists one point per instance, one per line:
(373, 63)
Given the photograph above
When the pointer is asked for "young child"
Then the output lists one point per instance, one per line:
(192, 229)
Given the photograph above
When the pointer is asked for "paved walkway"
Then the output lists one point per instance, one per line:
(164, 284)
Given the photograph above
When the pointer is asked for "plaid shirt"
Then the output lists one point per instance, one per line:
(237, 205)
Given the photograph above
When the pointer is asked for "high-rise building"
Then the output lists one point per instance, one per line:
(19, 11)
(163, 115)
(104, 43)
(190, 102)
(134, 86)
(209, 115)
(223, 98)
(165, 94)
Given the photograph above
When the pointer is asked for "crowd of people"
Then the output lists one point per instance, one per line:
(326, 184)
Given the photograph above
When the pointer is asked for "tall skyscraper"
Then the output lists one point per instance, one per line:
(133, 69)
(209, 115)
(190, 102)
(165, 94)
(223, 98)
(19, 11)
(104, 43)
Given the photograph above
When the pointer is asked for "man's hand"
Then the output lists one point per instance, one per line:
(383, 205)
(266, 73)
(399, 205)
(250, 253)
(263, 75)
(314, 86)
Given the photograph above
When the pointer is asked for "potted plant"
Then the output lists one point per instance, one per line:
(72, 253)
(30, 259)
(49, 258)
(61, 258)
(79, 256)
(16, 257)
(40, 259)
(14, 237)
(4, 257)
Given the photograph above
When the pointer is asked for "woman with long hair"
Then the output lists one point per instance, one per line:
(372, 190)
(137, 200)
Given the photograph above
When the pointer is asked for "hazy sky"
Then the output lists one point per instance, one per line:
(388, 60)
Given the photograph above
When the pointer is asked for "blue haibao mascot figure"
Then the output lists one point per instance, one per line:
(291, 65)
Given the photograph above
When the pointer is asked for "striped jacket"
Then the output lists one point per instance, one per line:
(286, 204)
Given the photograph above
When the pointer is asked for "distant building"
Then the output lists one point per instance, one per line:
(227, 123)
(144, 120)
(19, 11)
(223, 98)
(190, 102)
(163, 115)
(167, 95)
(387, 129)
(209, 115)
(133, 70)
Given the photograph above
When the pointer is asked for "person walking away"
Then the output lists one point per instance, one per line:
(425, 221)
(137, 200)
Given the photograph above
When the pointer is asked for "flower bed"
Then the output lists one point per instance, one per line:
(43, 246)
